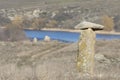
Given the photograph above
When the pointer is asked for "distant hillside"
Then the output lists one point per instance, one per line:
(106, 4)
(62, 13)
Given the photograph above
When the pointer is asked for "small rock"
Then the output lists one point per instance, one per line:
(118, 59)
(35, 40)
(47, 38)
(101, 58)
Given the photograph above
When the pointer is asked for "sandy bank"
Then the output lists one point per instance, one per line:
(69, 30)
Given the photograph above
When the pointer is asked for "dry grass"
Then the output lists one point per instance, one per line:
(57, 63)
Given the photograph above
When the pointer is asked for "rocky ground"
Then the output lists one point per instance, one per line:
(56, 61)
(58, 13)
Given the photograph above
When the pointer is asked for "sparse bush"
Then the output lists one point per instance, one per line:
(13, 30)
(62, 17)
(108, 22)
(2, 35)
(38, 23)
(4, 20)
(14, 33)
(26, 23)
(17, 20)
(117, 23)
(51, 24)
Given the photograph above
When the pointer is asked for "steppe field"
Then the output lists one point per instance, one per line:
(56, 60)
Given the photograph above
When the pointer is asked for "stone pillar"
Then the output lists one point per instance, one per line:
(85, 56)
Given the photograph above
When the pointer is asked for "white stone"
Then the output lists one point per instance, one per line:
(35, 40)
(47, 38)
(36, 13)
(101, 58)
(53, 15)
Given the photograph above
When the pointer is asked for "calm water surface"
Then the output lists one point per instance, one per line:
(64, 36)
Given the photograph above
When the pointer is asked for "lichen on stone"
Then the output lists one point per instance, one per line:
(85, 57)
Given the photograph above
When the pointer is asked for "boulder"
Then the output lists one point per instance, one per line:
(47, 38)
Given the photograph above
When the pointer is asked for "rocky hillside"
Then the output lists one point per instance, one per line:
(60, 13)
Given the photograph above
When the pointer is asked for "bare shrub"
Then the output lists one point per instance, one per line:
(4, 20)
(108, 23)
(38, 23)
(14, 33)
(51, 24)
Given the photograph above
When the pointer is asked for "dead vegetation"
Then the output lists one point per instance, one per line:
(55, 61)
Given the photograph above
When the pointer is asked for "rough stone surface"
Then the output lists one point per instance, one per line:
(85, 25)
(101, 58)
(35, 40)
(47, 38)
(85, 57)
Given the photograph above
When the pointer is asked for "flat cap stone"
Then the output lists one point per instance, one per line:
(85, 25)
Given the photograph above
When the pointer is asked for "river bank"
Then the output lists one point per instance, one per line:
(64, 35)
(78, 31)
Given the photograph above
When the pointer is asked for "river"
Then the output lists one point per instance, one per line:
(65, 36)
